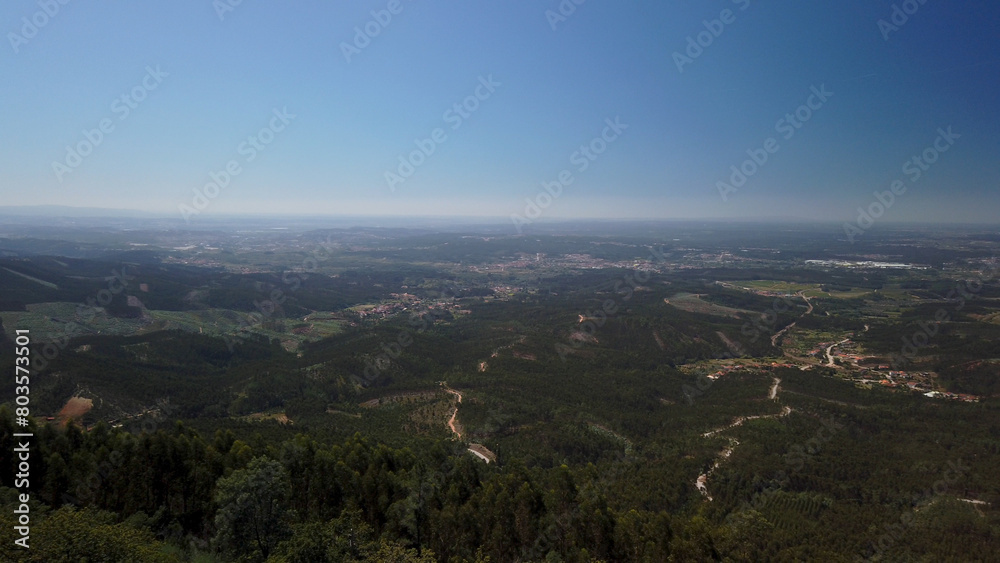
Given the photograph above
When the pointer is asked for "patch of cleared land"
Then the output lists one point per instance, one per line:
(808, 289)
(74, 409)
(55, 320)
(482, 452)
(279, 417)
(51, 321)
(223, 321)
(400, 398)
(693, 303)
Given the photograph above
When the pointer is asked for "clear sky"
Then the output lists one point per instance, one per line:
(210, 75)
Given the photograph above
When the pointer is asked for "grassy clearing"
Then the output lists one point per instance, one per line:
(49, 321)
(808, 289)
(800, 342)
(208, 321)
(55, 320)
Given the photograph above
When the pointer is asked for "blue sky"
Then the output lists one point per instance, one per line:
(219, 81)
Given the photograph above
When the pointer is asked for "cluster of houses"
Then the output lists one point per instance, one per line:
(882, 374)
(885, 376)
(380, 311)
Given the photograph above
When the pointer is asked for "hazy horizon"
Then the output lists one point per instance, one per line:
(717, 280)
(96, 213)
(733, 110)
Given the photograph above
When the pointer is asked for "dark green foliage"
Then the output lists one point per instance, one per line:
(598, 440)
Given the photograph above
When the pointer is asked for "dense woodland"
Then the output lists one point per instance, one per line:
(598, 438)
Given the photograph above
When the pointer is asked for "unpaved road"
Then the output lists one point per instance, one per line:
(740, 420)
(454, 413)
(829, 353)
(777, 335)
(701, 483)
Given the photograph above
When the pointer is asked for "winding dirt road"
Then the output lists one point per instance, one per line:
(454, 413)
(777, 335)
(701, 483)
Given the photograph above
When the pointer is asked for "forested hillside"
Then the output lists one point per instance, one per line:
(619, 405)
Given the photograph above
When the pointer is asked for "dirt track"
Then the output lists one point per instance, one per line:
(701, 483)
(454, 413)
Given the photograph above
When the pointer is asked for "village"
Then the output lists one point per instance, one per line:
(845, 354)
(849, 363)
